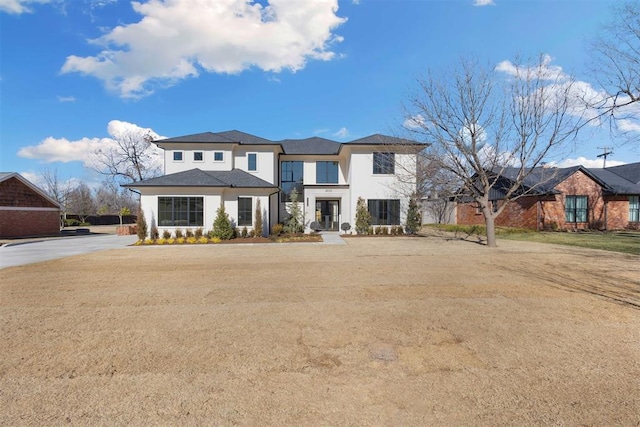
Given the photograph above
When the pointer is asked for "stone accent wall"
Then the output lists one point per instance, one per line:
(14, 192)
(25, 223)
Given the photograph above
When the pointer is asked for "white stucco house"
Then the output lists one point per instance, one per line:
(203, 170)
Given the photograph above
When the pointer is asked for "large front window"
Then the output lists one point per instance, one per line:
(291, 176)
(576, 209)
(634, 208)
(180, 212)
(245, 212)
(384, 163)
(384, 211)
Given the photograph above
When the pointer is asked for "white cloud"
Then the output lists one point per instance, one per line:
(19, 6)
(63, 150)
(177, 39)
(66, 98)
(415, 122)
(546, 71)
(484, 3)
(583, 161)
(342, 133)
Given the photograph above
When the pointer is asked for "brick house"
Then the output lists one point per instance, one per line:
(567, 199)
(26, 210)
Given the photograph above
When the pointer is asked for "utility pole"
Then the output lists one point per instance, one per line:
(604, 155)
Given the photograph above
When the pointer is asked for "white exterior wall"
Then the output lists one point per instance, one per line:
(212, 199)
(266, 162)
(187, 163)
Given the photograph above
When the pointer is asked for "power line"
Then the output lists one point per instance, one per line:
(604, 155)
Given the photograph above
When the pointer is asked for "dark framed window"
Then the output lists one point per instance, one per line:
(252, 162)
(177, 156)
(245, 211)
(180, 212)
(634, 208)
(218, 156)
(384, 211)
(326, 172)
(384, 163)
(576, 208)
(291, 176)
(198, 156)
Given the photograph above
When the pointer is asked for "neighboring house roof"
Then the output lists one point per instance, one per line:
(4, 176)
(234, 178)
(308, 146)
(623, 179)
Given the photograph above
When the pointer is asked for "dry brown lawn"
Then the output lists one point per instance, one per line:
(381, 331)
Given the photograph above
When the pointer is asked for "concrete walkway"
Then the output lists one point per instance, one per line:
(332, 238)
(21, 253)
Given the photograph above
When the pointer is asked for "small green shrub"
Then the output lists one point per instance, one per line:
(70, 222)
(252, 233)
(85, 224)
(178, 233)
(370, 230)
(166, 234)
(244, 232)
(384, 231)
(363, 218)
(188, 233)
(222, 225)
(199, 232)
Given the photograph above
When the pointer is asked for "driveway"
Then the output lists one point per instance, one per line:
(22, 253)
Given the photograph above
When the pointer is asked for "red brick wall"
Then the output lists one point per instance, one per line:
(617, 212)
(23, 223)
(524, 212)
(14, 192)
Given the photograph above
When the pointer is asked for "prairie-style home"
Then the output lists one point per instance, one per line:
(203, 171)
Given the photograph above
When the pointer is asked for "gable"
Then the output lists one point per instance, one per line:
(16, 193)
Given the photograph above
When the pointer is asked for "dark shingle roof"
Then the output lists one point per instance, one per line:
(227, 137)
(198, 178)
(630, 172)
(378, 139)
(314, 145)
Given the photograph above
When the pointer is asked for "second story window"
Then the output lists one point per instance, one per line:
(326, 172)
(252, 162)
(177, 156)
(198, 156)
(384, 163)
(291, 175)
(218, 156)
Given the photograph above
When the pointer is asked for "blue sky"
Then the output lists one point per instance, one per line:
(336, 69)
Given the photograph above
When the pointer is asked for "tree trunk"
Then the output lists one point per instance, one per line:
(490, 223)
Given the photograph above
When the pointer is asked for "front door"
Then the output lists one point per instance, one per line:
(328, 214)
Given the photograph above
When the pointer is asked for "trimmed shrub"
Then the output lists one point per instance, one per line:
(414, 221)
(179, 234)
(222, 225)
(70, 222)
(199, 233)
(294, 224)
(153, 232)
(363, 217)
(257, 225)
(244, 232)
(384, 231)
(166, 234)
(142, 225)
(345, 226)
(188, 233)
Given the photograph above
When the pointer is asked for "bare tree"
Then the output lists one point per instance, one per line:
(111, 200)
(616, 67)
(81, 202)
(57, 189)
(132, 156)
(480, 123)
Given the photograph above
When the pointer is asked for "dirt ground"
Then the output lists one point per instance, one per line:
(380, 331)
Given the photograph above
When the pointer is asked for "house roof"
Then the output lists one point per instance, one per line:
(308, 146)
(4, 176)
(623, 179)
(234, 178)
(314, 145)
